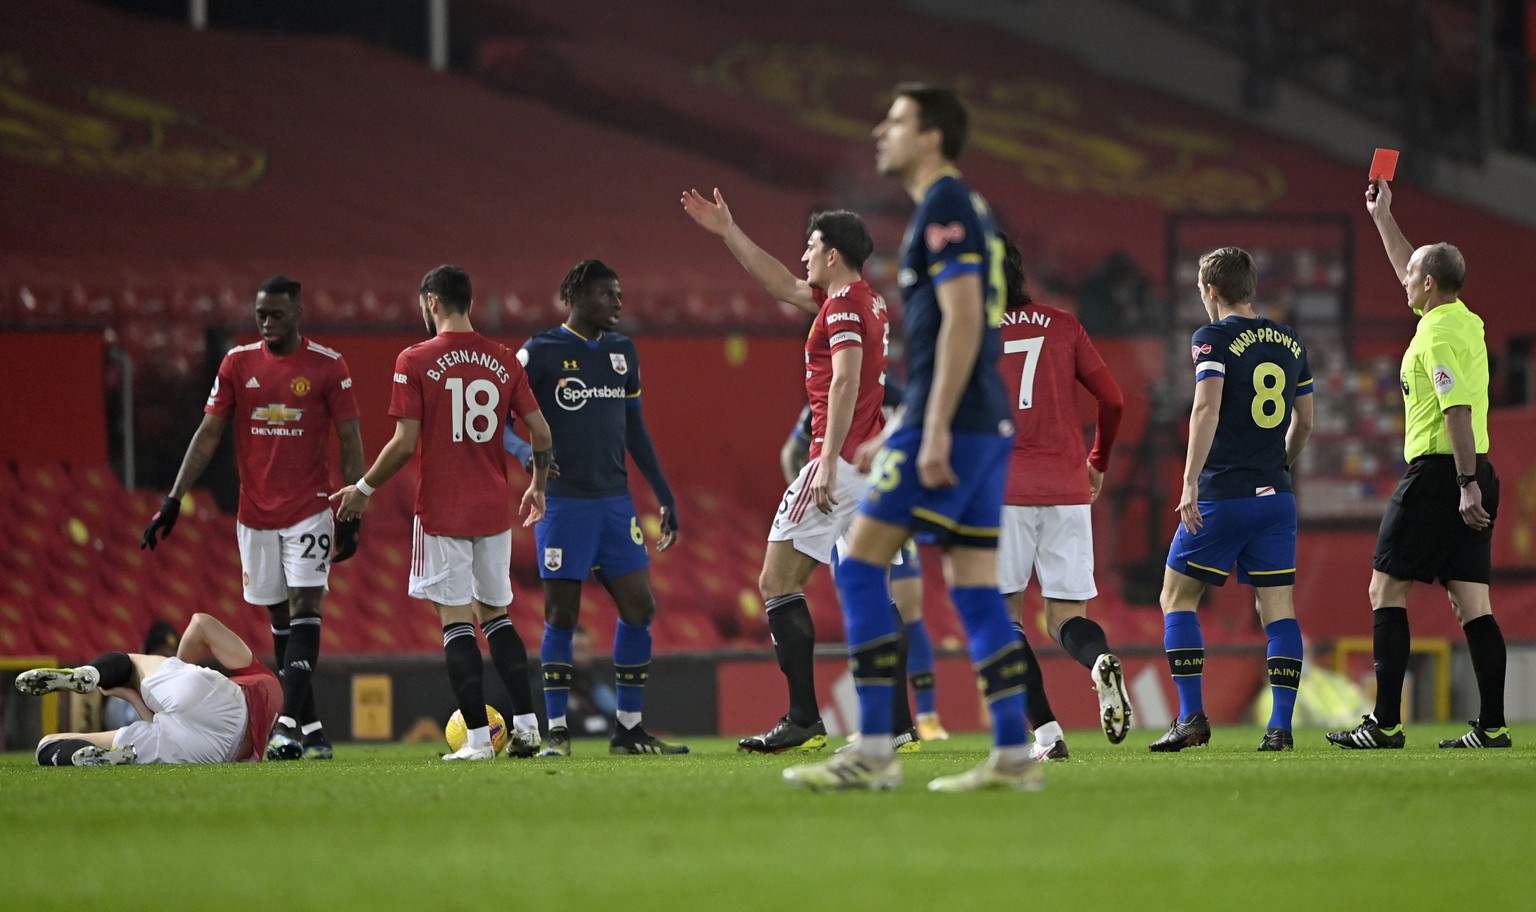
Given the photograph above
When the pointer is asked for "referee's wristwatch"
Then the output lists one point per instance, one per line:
(1463, 480)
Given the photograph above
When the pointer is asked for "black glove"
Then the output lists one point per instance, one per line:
(668, 519)
(347, 533)
(163, 522)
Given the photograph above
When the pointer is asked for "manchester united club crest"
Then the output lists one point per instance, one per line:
(301, 386)
(554, 558)
(620, 363)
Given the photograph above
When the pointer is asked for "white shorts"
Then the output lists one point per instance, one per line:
(454, 571)
(200, 717)
(1055, 541)
(800, 521)
(272, 561)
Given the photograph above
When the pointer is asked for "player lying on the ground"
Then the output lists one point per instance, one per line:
(188, 713)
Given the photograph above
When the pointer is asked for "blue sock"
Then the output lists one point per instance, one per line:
(1186, 659)
(1284, 669)
(920, 666)
(555, 657)
(998, 658)
(872, 638)
(631, 664)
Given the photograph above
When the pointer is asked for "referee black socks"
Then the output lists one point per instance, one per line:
(1485, 646)
(1390, 647)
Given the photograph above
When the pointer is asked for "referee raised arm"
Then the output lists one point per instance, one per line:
(1439, 523)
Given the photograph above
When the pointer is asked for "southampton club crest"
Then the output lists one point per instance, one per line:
(620, 363)
(554, 558)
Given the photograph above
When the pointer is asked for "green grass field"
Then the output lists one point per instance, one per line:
(392, 827)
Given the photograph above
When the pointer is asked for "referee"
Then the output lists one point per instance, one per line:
(1439, 524)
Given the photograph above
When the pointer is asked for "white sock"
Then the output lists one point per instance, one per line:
(1049, 733)
(556, 722)
(628, 719)
(310, 728)
(877, 747)
(527, 721)
(480, 737)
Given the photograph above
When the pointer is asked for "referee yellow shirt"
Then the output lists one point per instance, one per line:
(1446, 365)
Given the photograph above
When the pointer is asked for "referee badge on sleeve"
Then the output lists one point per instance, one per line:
(1444, 380)
(553, 558)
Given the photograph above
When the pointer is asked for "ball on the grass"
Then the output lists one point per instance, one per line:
(456, 734)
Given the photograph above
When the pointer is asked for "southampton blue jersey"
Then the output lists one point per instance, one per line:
(585, 389)
(951, 235)
(1264, 366)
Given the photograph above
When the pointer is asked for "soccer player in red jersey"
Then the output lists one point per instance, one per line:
(452, 396)
(845, 359)
(1052, 481)
(285, 393)
(187, 713)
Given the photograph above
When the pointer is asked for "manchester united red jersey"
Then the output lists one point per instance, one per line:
(263, 698)
(1045, 355)
(284, 409)
(464, 389)
(855, 316)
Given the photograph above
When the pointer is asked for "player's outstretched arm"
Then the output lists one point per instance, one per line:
(205, 636)
(715, 217)
(199, 453)
(1203, 418)
(1301, 428)
(1378, 202)
(352, 500)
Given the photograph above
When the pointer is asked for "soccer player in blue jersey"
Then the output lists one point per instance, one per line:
(942, 469)
(587, 380)
(1251, 418)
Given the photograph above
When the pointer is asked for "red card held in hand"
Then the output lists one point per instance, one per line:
(1384, 164)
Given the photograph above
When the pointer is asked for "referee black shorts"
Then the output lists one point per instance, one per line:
(1423, 536)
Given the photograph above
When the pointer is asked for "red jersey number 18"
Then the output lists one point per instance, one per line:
(471, 406)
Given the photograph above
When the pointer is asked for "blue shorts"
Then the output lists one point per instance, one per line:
(1258, 534)
(910, 564)
(967, 514)
(578, 537)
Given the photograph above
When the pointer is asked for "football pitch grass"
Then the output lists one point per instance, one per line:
(1117, 827)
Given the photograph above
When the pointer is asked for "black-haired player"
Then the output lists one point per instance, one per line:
(586, 378)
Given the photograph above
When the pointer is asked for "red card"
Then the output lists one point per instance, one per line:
(1384, 164)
